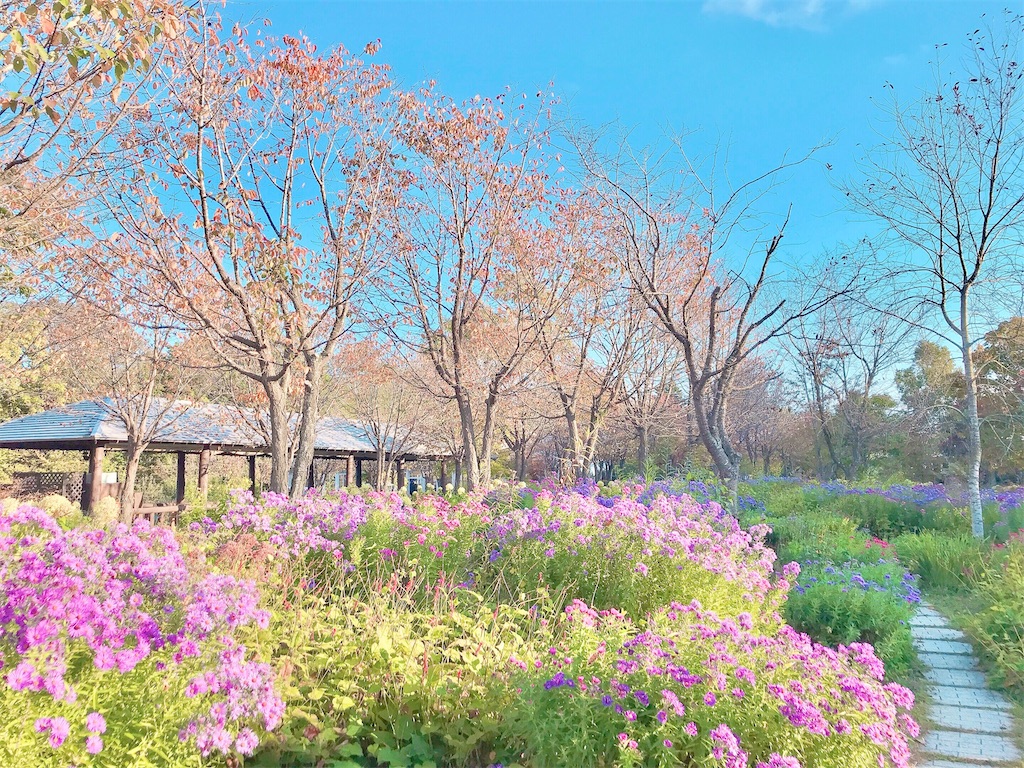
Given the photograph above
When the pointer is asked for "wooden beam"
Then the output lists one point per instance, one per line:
(204, 473)
(179, 496)
(252, 474)
(95, 476)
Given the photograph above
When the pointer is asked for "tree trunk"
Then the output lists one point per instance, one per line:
(712, 435)
(380, 479)
(643, 439)
(973, 424)
(306, 438)
(487, 439)
(469, 462)
(280, 435)
(133, 456)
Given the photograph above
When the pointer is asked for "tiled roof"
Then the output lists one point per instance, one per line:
(183, 424)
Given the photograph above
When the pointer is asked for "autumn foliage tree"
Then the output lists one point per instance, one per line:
(67, 70)
(260, 173)
(592, 343)
(484, 254)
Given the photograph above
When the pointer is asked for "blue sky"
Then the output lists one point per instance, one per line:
(764, 77)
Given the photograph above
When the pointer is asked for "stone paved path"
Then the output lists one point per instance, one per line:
(971, 726)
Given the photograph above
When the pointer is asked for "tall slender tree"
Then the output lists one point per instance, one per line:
(948, 185)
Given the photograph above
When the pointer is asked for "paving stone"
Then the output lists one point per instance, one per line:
(948, 660)
(969, 719)
(970, 746)
(968, 697)
(928, 620)
(936, 633)
(955, 678)
(938, 763)
(943, 646)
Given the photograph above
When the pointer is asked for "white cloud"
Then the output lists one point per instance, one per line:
(806, 14)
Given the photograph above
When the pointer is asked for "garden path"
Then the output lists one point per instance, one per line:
(971, 725)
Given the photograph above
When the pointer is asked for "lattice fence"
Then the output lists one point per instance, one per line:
(28, 485)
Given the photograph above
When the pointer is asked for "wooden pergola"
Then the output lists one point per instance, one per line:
(92, 427)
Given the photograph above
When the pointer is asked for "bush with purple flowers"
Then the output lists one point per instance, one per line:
(536, 627)
(686, 686)
(112, 647)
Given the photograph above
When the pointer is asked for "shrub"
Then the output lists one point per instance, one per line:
(816, 536)
(943, 560)
(881, 516)
(113, 648)
(786, 498)
(688, 688)
(1000, 627)
(105, 513)
(56, 506)
(947, 518)
(858, 601)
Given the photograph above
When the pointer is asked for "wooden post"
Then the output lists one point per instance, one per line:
(311, 480)
(359, 473)
(350, 471)
(458, 474)
(180, 493)
(443, 480)
(95, 475)
(252, 474)
(204, 473)
(400, 470)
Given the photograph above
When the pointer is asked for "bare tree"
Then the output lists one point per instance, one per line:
(135, 376)
(705, 262)
(948, 186)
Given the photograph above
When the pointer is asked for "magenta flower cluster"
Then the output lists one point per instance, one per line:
(666, 528)
(687, 673)
(294, 526)
(118, 597)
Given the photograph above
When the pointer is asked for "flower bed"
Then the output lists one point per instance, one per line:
(109, 635)
(526, 628)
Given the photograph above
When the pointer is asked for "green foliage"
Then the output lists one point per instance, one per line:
(878, 515)
(785, 499)
(816, 536)
(999, 628)
(869, 601)
(944, 560)
(390, 669)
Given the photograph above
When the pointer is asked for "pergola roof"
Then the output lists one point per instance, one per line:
(188, 427)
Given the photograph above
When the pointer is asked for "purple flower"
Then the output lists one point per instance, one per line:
(93, 744)
(95, 723)
(59, 730)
